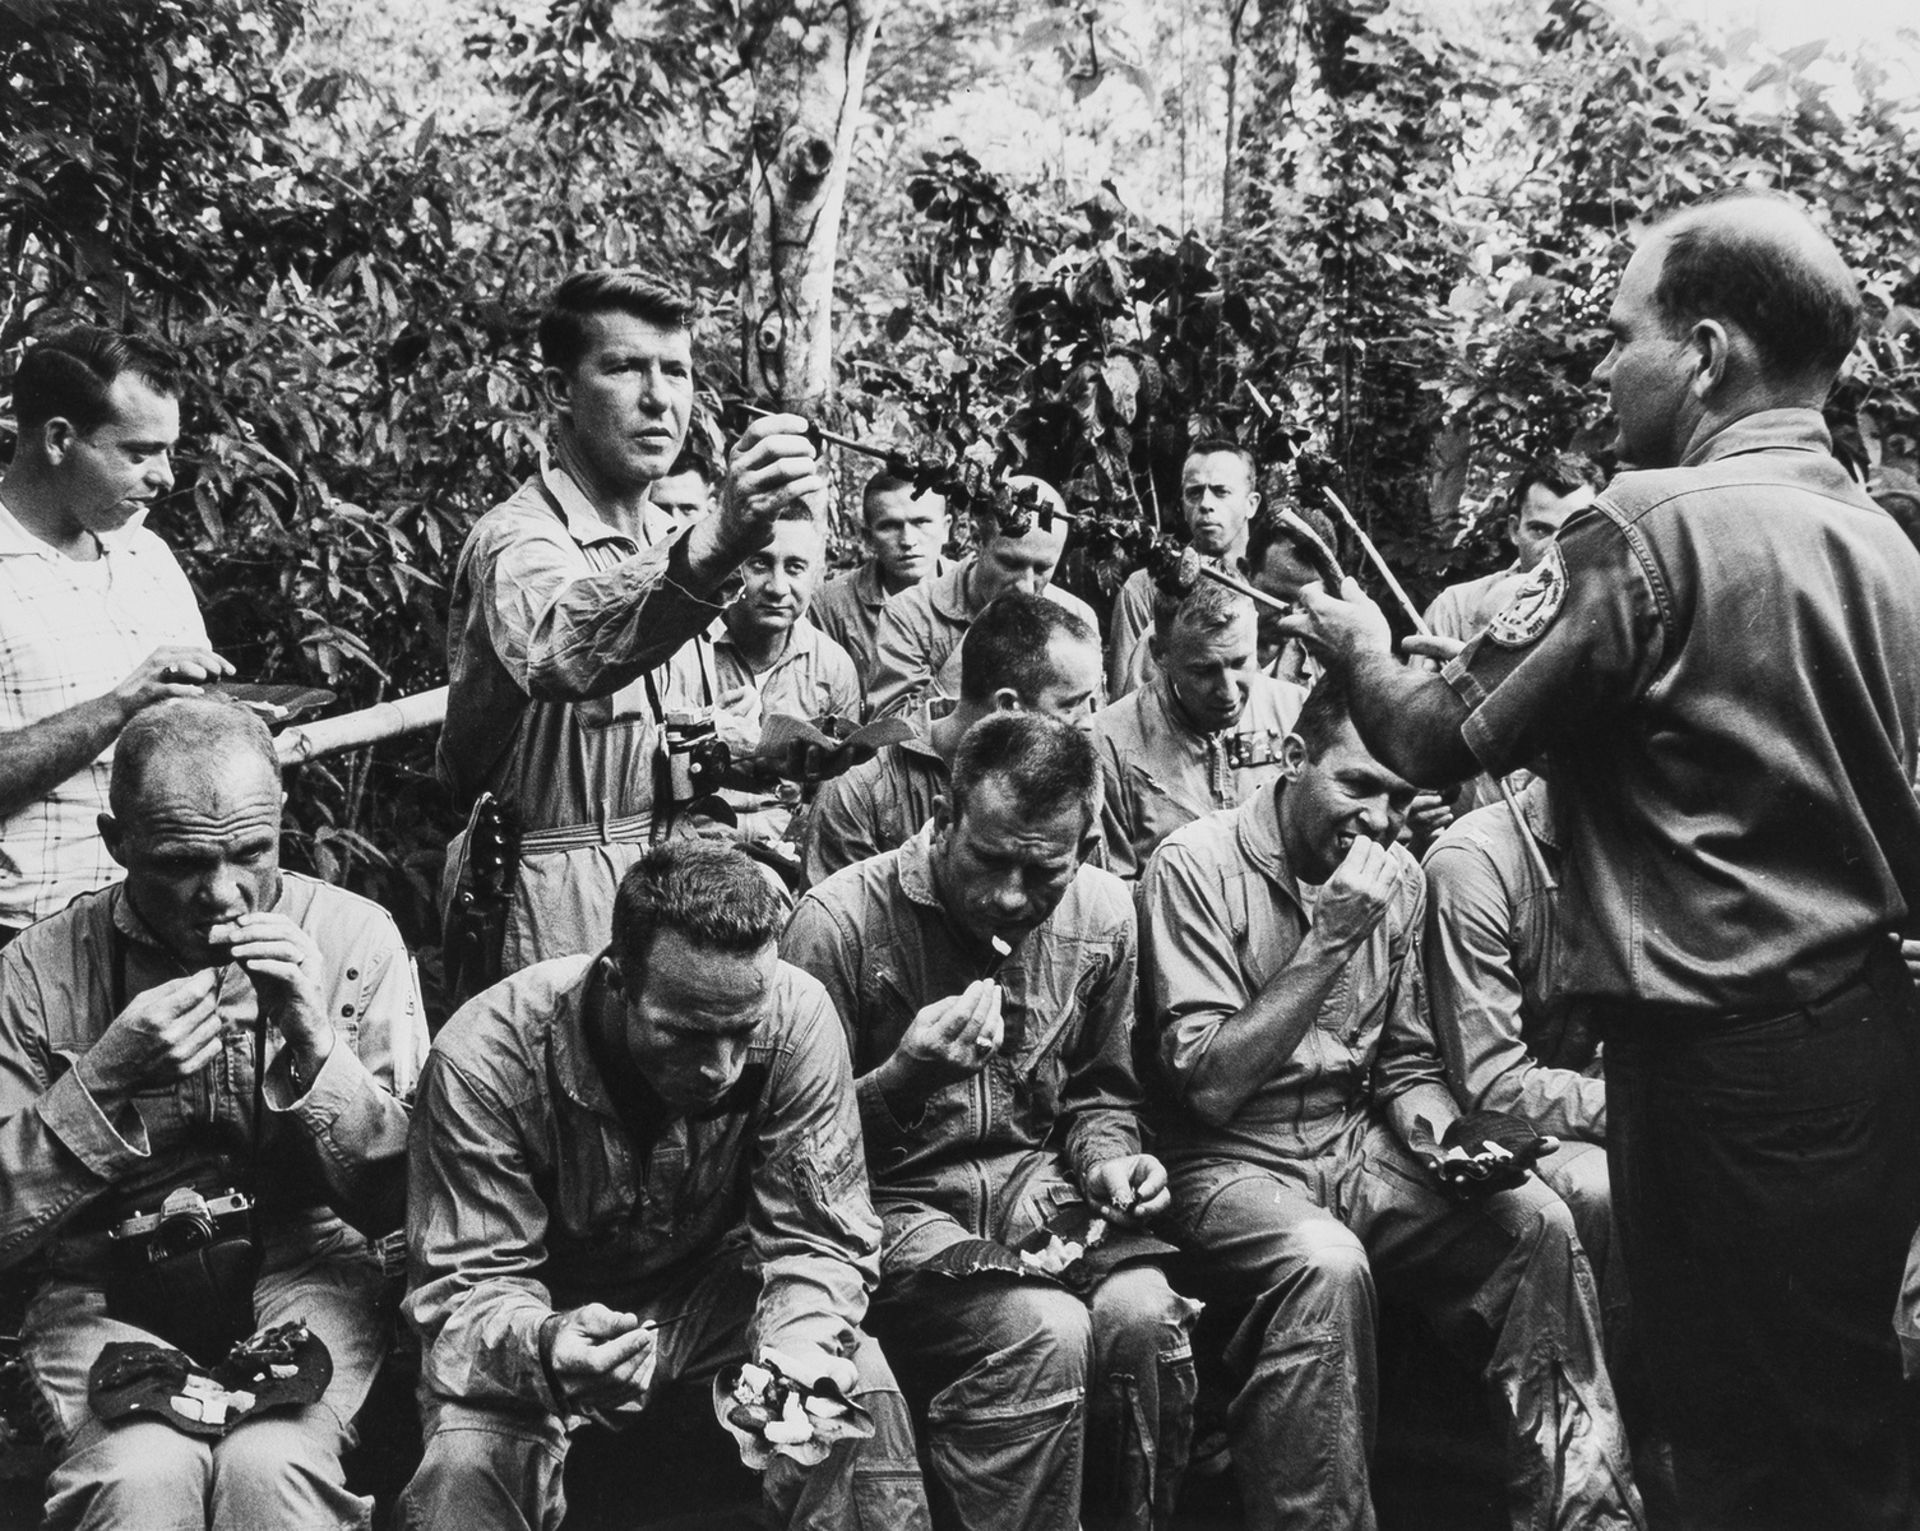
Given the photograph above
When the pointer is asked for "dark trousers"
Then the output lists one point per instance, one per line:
(1766, 1182)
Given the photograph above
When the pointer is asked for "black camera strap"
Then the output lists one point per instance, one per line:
(119, 997)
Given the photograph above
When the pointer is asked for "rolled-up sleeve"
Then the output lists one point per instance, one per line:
(816, 1237)
(566, 632)
(476, 1236)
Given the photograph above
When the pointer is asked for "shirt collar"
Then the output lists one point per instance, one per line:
(1769, 430)
(1257, 827)
(948, 592)
(915, 869)
(802, 639)
(573, 1063)
(867, 588)
(1177, 720)
(583, 520)
(17, 542)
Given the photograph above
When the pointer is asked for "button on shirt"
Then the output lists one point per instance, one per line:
(1159, 772)
(1492, 943)
(917, 644)
(70, 632)
(341, 1143)
(1222, 914)
(1061, 1087)
(1731, 695)
(529, 1194)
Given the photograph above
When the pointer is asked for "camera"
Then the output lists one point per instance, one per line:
(695, 756)
(186, 1221)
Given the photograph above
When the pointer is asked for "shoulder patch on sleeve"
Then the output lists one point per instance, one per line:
(1534, 605)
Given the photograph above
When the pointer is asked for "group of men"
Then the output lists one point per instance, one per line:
(1106, 1007)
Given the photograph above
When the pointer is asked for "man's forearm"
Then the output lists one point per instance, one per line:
(1410, 720)
(1254, 1043)
(36, 759)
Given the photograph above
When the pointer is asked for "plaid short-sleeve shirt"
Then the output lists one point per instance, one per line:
(69, 632)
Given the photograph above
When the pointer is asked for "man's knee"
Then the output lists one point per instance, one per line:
(1035, 1346)
(285, 1469)
(486, 1467)
(1136, 1313)
(141, 1473)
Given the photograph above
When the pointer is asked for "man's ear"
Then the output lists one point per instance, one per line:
(1253, 503)
(557, 385)
(1293, 757)
(1006, 699)
(942, 813)
(1091, 838)
(610, 973)
(1513, 530)
(58, 439)
(1711, 345)
(111, 837)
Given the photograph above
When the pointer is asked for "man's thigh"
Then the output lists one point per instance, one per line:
(1577, 1174)
(1247, 1229)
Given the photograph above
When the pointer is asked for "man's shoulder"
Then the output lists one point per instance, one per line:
(61, 941)
(1074, 604)
(1097, 901)
(1122, 723)
(1211, 841)
(858, 888)
(523, 513)
(328, 912)
(501, 1036)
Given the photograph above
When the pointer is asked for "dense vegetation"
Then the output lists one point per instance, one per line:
(1408, 250)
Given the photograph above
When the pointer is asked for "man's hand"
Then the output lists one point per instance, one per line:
(171, 670)
(1129, 1190)
(951, 1039)
(602, 1360)
(771, 466)
(1427, 815)
(285, 965)
(167, 1034)
(1438, 647)
(737, 720)
(1337, 628)
(1910, 954)
(1355, 897)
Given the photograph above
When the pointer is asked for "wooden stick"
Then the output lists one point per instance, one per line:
(1373, 553)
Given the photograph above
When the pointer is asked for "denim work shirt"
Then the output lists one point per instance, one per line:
(70, 1167)
(1059, 1095)
(529, 1194)
(1159, 772)
(917, 643)
(1492, 942)
(1222, 915)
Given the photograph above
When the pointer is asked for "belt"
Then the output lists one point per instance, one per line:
(634, 829)
(1880, 968)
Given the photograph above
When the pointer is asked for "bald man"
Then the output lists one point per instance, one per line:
(1722, 659)
(133, 1024)
(917, 642)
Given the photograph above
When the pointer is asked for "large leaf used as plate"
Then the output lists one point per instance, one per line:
(769, 1412)
(275, 704)
(282, 1368)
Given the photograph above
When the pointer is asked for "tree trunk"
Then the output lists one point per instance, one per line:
(809, 63)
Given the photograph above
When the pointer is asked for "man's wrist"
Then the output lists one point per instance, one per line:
(549, 1333)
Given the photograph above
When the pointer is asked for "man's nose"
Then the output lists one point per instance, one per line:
(160, 474)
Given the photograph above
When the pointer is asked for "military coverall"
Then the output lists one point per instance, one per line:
(745, 1227)
(1033, 1389)
(1307, 1193)
(331, 1172)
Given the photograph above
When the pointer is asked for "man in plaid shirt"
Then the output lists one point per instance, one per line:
(96, 620)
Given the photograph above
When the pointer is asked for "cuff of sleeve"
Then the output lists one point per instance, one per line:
(1089, 1150)
(341, 1080)
(109, 1146)
(883, 1129)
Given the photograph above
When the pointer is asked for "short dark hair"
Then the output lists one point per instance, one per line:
(697, 463)
(891, 483)
(67, 373)
(1266, 531)
(563, 327)
(1559, 473)
(1042, 763)
(1011, 644)
(208, 727)
(1220, 446)
(711, 894)
(1801, 320)
(1324, 716)
(1206, 608)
